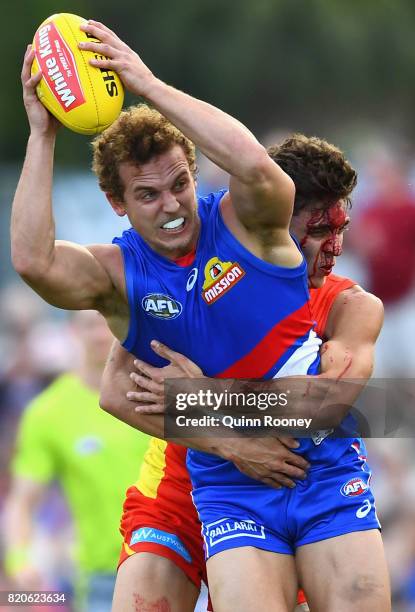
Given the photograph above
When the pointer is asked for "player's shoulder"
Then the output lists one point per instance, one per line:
(356, 297)
(349, 294)
(106, 253)
(356, 308)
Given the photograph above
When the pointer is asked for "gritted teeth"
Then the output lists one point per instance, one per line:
(176, 223)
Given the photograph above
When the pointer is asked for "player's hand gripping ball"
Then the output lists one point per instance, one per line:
(84, 98)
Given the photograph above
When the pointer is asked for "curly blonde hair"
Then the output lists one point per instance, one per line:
(321, 173)
(139, 134)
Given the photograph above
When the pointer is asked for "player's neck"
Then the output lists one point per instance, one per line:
(187, 259)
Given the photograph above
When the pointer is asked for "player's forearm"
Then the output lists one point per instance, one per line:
(32, 224)
(116, 383)
(268, 460)
(153, 424)
(113, 400)
(328, 397)
(123, 409)
(325, 400)
(344, 374)
(223, 139)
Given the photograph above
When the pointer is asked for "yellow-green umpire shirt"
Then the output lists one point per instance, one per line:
(66, 437)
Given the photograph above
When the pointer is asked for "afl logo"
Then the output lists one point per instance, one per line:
(354, 487)
(161, 306)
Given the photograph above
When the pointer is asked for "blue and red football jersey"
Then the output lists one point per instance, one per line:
(232, 313)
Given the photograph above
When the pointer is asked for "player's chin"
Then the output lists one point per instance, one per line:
(173, 245)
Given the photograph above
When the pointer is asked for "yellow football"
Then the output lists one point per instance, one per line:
(84, 98)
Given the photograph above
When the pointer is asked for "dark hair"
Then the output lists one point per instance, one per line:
(321, 173)
(139, 134)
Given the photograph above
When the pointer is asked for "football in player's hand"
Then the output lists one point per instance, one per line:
(84, 98)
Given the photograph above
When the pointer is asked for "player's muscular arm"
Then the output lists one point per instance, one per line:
(65, 274)
(352, 328)
(265, 459)
(74, 278)
(347, 356)
(262, 193)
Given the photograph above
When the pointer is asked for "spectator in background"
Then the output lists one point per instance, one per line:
(384, 237)
(64, 436)
(35, 349)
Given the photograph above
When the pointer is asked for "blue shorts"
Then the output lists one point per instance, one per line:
(332, 501)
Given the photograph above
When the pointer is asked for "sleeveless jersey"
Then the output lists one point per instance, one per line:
(232, 313)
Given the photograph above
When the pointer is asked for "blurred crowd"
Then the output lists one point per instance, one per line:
(37, 344)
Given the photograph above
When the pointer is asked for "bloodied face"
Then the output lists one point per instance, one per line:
(320, 234)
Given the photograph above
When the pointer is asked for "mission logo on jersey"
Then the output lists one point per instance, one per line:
(220, 276)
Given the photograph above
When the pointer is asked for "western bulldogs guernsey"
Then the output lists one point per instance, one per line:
(233, 314)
